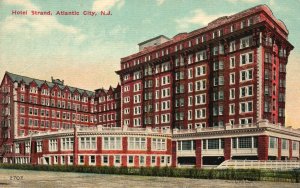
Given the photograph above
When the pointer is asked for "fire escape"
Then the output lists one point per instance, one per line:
(180, 88)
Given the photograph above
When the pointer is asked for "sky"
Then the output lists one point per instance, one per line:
(85, 51)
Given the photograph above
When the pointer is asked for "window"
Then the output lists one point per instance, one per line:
(232, 93)
(179, 88)
(246, 107)
(200, 99)
(213, 144)
(190, 59)
(27, 147)
(190, 87)
(200, 71)
(117, 159)
(281, 112)
(245, 142)
(81, 159)
(137, 75)
(165, 67)
(179, 75)
(273, 143)
(200, 85)
(142, 160)
(126, 88)
(250, 21)
(232, 46)
(112, 143)
(53, 145)
(137, 87)
(190, 116)
(282, 67)
(67, 143)
(158, 144)
(281, 83)
(218, 80)
(137, 99)
(190, 73)
(243, 24)
(201, 55)
(137, 110)
(165, 118)
(22, 121)
(22, 110)
(186, 145)
(246, 58)
(153, 160)
(165, 80)
(281, 97)
(105, 160)
(17, 148)
(268, 57)
(246, 75)
(39, 146)
(284, 144)
(137, 143)
(92, 160)
(232, 78)
(137, 122)
(126, 122)
(130, 160)
(165, 92)
(231, 109)
(245, 121)
(87, 143)
(246, 91)
(126, 99)
(245, 42)
(218, 65)
(190, 101)
(200, 113)
(295, 145)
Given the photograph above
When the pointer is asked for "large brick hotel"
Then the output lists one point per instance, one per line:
(200, 98)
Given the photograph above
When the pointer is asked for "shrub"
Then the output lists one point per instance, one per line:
(229, 174)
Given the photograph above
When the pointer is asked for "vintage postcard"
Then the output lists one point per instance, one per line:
(149, 93)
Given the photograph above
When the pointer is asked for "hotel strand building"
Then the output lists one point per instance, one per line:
(199, 98)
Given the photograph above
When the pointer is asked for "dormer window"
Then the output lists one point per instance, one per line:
(203, 38)
(33, 90)
(45, 92)
(250, 21)
(243, 24)
(232, 28)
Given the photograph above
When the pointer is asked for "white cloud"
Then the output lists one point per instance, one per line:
(41, 25)
(107, 4)
(198, 17)
(160, 2)
(245, 1)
